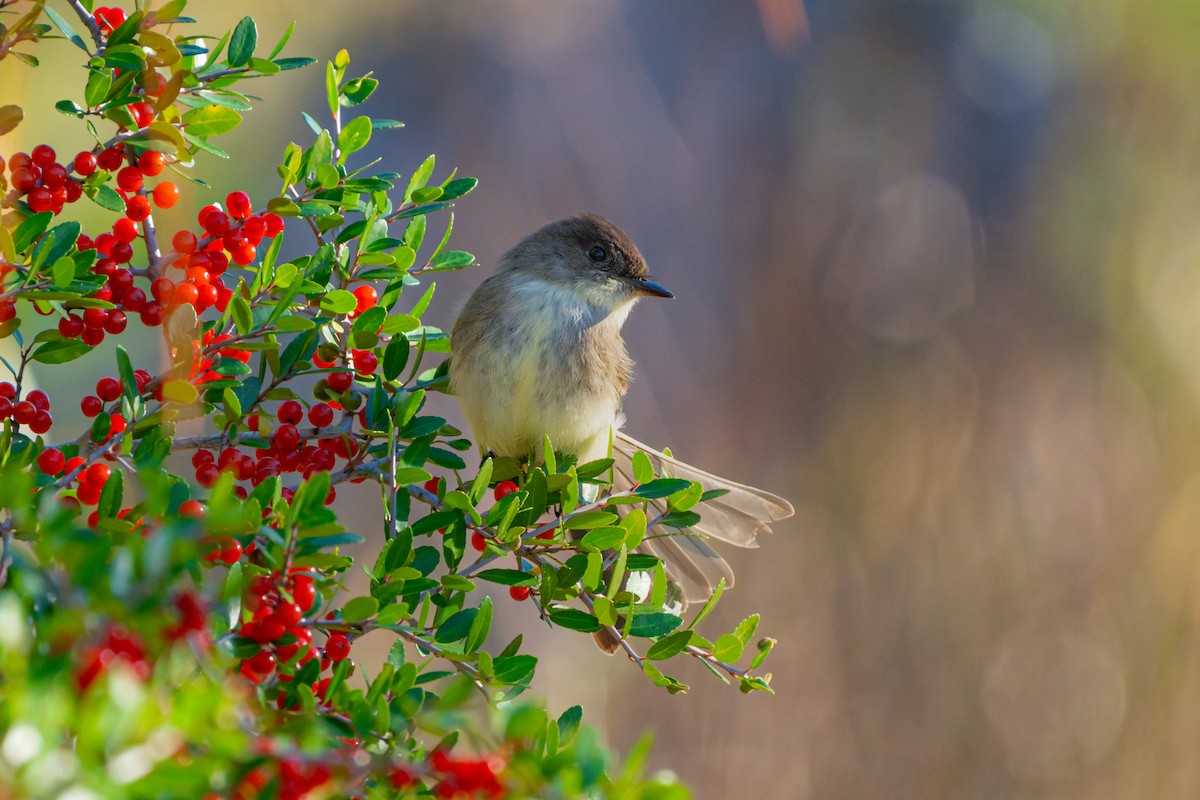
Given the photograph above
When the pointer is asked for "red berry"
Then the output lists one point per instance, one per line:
(25, 179)
(130, 179)
(108, 389)
(338, 647)
(110, 159)
(133, 299)
(503, 489)
(290, 412)
(125, 230)
(191, 508)
(138, 208)
(74, 191)
(143, 113)
(151, 163)
(88, 494)
(40, 400)
(39, 200)
(216, 222)
(71, 326)
(121, 252)
(24, 412)
(519, 592)
(185, 293)
(54, 175)
(207, 474)
(116, 425)
(339, 381)
(8, 310)
(51, 461)
(366, 296)
(41, 423)
(152, 314)
(238, 204)
(286, 437)
(274, 225)
(320, 415)
(166, 194)
(365, 361)
(91, 406)
(161, 289)
(95, 318)
(43, 155)
(243, 254)
(96, 475)
(478, 542)
(432, 485)
(116, 322)
(85, 163)
(92, 336)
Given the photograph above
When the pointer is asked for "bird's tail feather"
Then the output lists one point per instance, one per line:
(737, 518)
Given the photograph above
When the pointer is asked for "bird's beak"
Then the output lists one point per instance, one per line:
(649, 287)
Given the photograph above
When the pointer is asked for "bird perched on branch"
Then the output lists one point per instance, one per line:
(538, 352)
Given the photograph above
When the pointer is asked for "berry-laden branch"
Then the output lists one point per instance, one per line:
(196, 579)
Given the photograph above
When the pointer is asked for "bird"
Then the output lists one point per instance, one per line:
(538, 351)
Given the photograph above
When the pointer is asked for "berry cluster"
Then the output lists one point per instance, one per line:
(117, 646)
(33, 411)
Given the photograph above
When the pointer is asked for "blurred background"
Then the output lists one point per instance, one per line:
(937, 268)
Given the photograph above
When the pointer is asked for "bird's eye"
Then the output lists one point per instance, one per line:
(598, 254)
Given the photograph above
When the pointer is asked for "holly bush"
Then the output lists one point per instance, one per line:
(174, 618)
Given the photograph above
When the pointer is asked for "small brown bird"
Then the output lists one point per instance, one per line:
(538, 352)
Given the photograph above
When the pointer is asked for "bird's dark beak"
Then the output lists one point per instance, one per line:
(649, 287)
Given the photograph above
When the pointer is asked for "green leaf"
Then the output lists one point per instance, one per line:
(63, 271)
(606, 538)
(765, 646)
(575, 620)
(110, 496)
(30, 229)
(746, 628)
(457, 627)
(458, 187)
(480, 484)
(293, 63)
(653, 624)
(211, 120)
(587, 520)
(669, 646)
(66, 29)
(358, 90)
(513, 669)
(338, 301)
(395, 356)
(660, 487)
(364, 332)
(710, 603)
(479, 626)
(70, 108)
(728, 648)
(354, 137)
(242, 42)
(452, 259)
(643, 470)
(605, 610)
(98, 83)
(568, 725)
(359, 609)
(420, 177)
(105, 197)
(508, 577)
(60, 351)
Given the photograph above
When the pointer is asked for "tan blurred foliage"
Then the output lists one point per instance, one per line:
(938, 269)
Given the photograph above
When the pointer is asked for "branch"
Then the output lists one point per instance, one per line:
(90, 23)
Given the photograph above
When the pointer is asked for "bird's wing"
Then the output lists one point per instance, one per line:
(737, 518)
